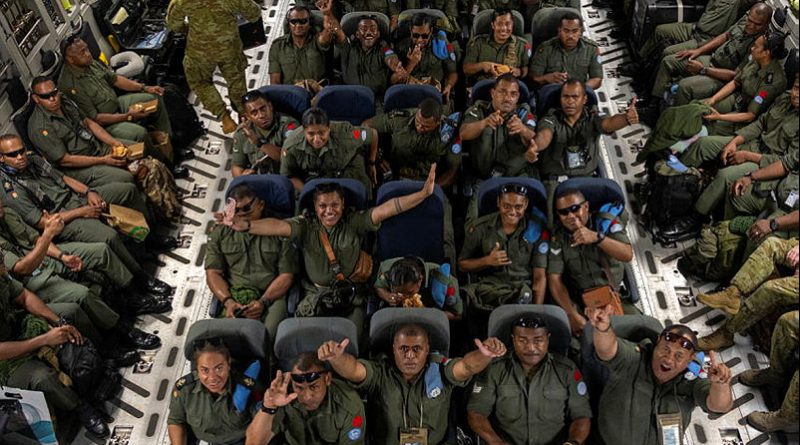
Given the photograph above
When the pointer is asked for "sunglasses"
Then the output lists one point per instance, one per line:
(684, 342)
(298, 21)
(571, 209)
(308, 377)
(48, 96)
(245, 208)
(15, 153)
(514, 188)
(530, 322)
(415, 35)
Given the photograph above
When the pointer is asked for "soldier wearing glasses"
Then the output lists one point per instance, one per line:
(319, 410)
(531, 394)
(300, 55)
(580, 258)
(648, 398)
(250, 274)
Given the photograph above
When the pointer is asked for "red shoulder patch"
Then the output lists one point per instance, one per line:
(358, 421)
(577, 375)
(545, 235)
(763, 94)
(356, 134)
(451, 291)
(291, 126)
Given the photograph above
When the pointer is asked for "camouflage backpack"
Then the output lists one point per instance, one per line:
(719, 251)
(159, 186)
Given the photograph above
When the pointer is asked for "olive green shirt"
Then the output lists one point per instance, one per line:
(339, 420)
(346, 238)
(413, 153)
(387, 7)
(581, 267)
(212, 28)
(449, 7)
(92, 88)
(573, 151)
(38, 188)
(758, 87)
(777, 130)
(294, 63)
(56, 136)
(486, 231)
(245, 154)
(582, 62)
(341, 157)
(787, 191)
(248, 260)
(368, 68)
(395, 403)
(431, 272)
(736, 48)
(429, 66)
(632, 398)
(211, 417)
(496, 152)
(17, 239)
(718, 16)
(534, 412)
(515, 52)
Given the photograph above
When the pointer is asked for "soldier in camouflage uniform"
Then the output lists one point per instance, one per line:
(212, 40)
(784, 346)
(762, 295)
(257, 143)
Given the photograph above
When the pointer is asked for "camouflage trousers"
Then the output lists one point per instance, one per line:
(762, 263)
(200, 76)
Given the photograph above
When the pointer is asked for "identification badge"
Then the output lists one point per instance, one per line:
(791, 200)
(84, 134)
(670, 429)
(575, 158)
(414, 436)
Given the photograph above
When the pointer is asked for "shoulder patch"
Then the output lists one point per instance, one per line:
(358, 421)
(543, 247)
(354, 434)
(387, 51)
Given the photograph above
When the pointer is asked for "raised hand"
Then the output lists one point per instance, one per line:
(498, 257)
(430, 181)
(414, 54)
(515, 125)
(491, 347)
(532, 153)
(600, 317)
(632, 115)
(583, 236)
(718, 372)
(494, 120)
(331, 350)
(53, 224)
(278, 393)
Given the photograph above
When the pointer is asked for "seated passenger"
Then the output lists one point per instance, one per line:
(417, 143)
(320, 410)
(347, 231)
(413, 388)
(29, 327)
(763, 294)
(91, 84)
(784, 344)
(646, 388)
(34, 189)
(757, 83)
(501, 131)
(202, 402)
(367, 59)
(250, 274)
(299, 57)
(490, 55)
(413, 282)
(448, 7)
(257, 142)
(580, 258)
(420, 64)
(509, 269)
(531, 396)
(567, 56)
(50, 270)
(325, 149)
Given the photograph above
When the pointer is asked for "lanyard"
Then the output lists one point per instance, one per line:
(405, 408)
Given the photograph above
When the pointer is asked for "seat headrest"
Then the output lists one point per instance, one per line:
(355, 194)
(20, 119)
(482, 90)
(545, 23)
(351, 103)
(597, 191)
(502, 319)
(482, 23)
(551, 98)
(288, 99)
(350, 21)
(276, 191)
(246, 339)
(490, 189)
(634, 328)
(317, 20)
(398, 97)
(386, 322)
(395, 239)
(307, 334)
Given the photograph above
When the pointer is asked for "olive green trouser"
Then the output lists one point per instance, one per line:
(664, 36)
(697, 87)
(670, 66)
(720, 187)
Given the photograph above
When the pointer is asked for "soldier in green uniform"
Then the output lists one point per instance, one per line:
(250, 274)
(300, 55)
(212, 40)
(413, 282)
(321, 410)
(34, 189)
(202, 402)
(416, 136)
(567, 56)
(28, 326)
(499, 132)
(409, 393)
(581, 257)
(325, 149)
(90, 84)
(345, 231)
(510, 266)
(421, 65)
(728, 51)
(257, 143)
(530, 395)
(762, 293)
(784, 344)
(490, 55)
(646, 388)
(449, 7)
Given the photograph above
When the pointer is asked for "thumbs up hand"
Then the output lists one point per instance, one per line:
(632, 116)
(498, 257)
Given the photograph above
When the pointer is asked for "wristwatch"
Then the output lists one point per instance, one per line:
(773, 225)
(61, 255)
(372, 162)
(600, 237)
(703, 71)
(267, 410)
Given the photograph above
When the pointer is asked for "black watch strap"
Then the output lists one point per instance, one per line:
(270, 411)
(773, 225)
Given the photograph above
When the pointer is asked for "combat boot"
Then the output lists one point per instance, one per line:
(228, 124)
(719, 339)
(770, 421)
(760, 377)
(728, 300)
